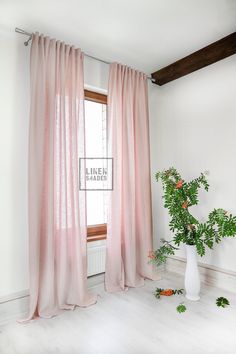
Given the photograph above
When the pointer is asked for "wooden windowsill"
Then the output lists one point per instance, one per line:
(95, 96)
(96, 232)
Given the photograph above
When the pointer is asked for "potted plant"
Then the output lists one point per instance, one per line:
(179, 196)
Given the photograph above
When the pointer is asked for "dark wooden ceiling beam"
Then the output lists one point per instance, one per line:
(197, 60)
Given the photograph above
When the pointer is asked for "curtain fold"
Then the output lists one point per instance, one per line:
(57, 209)
(129, 229)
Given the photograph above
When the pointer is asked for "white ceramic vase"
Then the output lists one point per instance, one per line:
(192, 278)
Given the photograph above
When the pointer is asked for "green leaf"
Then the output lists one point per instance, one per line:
(160, 255)
(222, 302)
(181, 308)
(157, 293)
(178, 291)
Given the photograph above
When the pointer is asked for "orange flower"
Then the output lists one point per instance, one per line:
(185, 205)
(167, 292)
(179, 184)
(151, 255)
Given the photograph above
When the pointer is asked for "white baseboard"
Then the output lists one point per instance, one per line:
(14, 296)
(210, 275)
(15, 306)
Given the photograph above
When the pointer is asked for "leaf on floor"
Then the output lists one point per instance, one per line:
(181, 308)
(222, 302)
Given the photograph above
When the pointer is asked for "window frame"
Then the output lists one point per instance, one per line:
(96, 232)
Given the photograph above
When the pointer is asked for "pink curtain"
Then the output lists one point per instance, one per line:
(57, 212)
(129, 238)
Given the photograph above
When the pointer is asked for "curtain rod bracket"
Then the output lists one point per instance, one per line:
(26, 43)
(19, 30)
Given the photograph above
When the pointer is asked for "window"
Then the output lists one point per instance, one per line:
(96, 147)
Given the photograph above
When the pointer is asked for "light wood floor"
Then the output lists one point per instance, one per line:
(131, 322)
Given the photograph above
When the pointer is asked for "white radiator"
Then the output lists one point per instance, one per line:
(96, 257)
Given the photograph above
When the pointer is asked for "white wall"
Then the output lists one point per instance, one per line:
(14, 119)
(14, 108)
(95, 75)
(193, 127)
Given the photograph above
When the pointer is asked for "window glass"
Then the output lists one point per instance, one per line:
(96, 147)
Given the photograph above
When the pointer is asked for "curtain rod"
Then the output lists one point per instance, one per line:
(25, 33)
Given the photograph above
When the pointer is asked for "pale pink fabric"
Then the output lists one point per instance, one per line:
(129, 238)
(57, 209)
